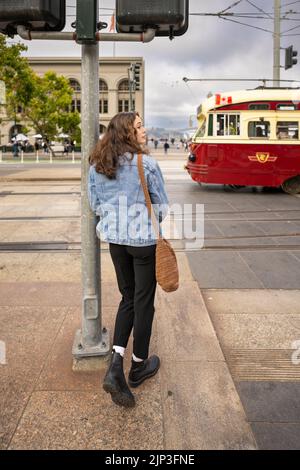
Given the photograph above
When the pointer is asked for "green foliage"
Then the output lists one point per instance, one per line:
(16, 73)
(48, 109)
(44, 101)
(70, 125)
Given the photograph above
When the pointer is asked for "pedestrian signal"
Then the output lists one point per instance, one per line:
(167, 17)
(37, 15)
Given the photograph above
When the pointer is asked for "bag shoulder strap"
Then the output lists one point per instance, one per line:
(147, 195)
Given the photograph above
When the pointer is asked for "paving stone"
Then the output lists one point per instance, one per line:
(90, 420)
(272, 402)
(239, 228)
(222, 270)
(240, 243)
(277, 436)
(279, 228)
(12, 404)
(41, 294)
(14, 266)
(184, 316)
(204, 394)
(296, 254)
(258, 301)
(55, 230)
(252, 331)
(28, 333)
(275, 269)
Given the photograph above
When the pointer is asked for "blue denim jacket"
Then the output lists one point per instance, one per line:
(121, 204)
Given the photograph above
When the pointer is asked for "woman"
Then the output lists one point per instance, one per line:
(116, 194)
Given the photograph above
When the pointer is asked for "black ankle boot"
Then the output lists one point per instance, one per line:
(141, 371)
(115, 382)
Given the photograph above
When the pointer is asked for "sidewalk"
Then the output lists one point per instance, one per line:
(42, 173)
(191, 404)
(46, 402)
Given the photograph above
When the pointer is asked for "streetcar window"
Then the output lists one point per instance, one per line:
(211, 125)
(259, 129)
(228, 124)
(201, 131)
(287, 130)
(286, 107)
(259, 106)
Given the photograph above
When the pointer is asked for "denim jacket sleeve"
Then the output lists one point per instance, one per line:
(92, 193)
(156, 187)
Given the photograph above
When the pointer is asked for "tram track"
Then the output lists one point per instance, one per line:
(212, 243)
(67, 246)
(176, 217)
(51, 193)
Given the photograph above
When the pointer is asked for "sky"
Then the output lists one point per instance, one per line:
(211, 48)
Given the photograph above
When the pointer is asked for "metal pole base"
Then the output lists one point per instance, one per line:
(101, 349)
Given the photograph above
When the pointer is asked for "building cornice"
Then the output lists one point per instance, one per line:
(77, 60)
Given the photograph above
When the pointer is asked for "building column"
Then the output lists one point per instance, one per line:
(112, 102)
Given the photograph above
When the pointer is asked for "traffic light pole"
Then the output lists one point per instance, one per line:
(91, 340)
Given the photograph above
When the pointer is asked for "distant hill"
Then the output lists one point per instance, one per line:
(161, 133)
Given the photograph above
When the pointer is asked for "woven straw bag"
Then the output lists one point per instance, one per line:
(166, 268)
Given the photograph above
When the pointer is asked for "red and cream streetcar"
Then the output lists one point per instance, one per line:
(248, 138)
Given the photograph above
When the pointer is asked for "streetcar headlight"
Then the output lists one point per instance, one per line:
(192, 157)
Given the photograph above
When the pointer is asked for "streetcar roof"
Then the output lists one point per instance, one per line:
(228, 98)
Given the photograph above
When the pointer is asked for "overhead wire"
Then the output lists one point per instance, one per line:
(231, 6)
(259, 9)
(245, 24)
(291, 3)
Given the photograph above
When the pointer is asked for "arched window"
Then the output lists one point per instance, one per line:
(124, 85)
(102, 129)
(103, 85)
(103, 101)
(124, 96)
(75, 85)
(14, 130)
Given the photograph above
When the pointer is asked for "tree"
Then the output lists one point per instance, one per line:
(17, 76)
(48, 107)
(42, 103)
(69, 125)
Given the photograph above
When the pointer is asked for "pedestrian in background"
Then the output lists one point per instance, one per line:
(166, 147)
(15, 149)
(115, 189)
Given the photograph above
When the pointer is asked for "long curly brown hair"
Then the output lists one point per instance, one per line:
(119, 138)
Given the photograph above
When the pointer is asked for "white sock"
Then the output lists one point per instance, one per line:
(120, 350)
(136, 359)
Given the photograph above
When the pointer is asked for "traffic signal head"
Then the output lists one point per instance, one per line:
(167, 17)
(290, 57)
(37, 15)
(137, 76)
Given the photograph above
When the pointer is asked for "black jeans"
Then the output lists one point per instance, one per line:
(135, 270)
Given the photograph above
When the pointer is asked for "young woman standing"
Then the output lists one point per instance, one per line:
(116, 195)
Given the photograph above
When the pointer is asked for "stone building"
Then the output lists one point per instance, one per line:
(113, 85)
